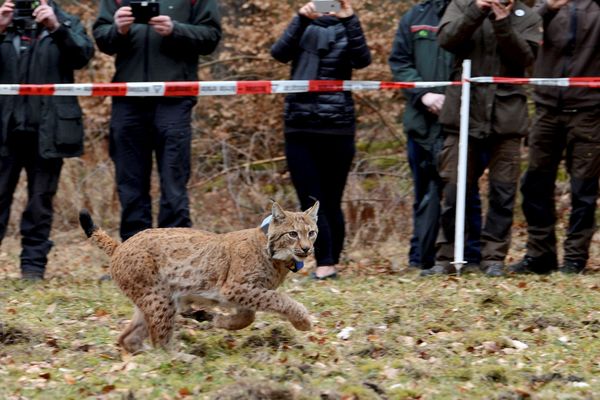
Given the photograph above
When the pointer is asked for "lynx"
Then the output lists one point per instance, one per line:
(166, 271)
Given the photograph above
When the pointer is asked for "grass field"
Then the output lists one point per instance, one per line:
(408, 338)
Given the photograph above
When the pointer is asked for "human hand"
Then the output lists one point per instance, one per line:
(556, 4)
(123, 20)
(44, 15)
(162, 24)
(345, 9)
(309, 11)
(483, 5)
(500, 10)
(6, 14)
(434, 102)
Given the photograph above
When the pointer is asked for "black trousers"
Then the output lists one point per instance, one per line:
(141, 127)
(319, 165)
(42, 183)
(576, 137)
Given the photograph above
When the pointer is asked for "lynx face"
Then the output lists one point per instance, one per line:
(292, 235)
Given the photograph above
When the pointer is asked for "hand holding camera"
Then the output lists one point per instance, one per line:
(317, 8)
(501, 8)
(162, 24)
(556, 4)
(44, 15)
(6, 14)
(143, 12)
(123, 20)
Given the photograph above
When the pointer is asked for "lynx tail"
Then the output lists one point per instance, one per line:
(98, 236)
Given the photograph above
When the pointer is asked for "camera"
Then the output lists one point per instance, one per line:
(143, 11)
(327, 6)
(23, 13)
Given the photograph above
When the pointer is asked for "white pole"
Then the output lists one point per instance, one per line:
(461, 184)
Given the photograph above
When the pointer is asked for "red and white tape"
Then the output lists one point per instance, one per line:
(225, 88)
(205, 88)
(589, 82)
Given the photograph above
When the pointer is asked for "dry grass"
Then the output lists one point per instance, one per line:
(413, 338)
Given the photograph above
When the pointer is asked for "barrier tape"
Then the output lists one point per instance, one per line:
(590, 82)
(229, 88)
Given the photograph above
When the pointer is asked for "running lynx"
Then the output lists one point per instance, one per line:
(165, 271)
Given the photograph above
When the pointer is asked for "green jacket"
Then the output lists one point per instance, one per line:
(144, 56)
(416, 57)
(54, 57)
(496, 48)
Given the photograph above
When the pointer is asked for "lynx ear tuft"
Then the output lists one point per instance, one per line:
(313, 211)
(277, 212)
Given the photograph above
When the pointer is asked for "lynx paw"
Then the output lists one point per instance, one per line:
(303, 324)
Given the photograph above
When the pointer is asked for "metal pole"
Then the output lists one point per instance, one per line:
(461, 184)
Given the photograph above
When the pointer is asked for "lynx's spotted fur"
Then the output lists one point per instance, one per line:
(166, 271)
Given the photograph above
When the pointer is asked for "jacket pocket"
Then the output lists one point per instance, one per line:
(510, 114)
(69, 130)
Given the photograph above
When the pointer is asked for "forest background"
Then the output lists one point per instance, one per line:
(238, 163)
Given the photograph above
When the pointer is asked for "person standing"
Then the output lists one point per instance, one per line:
(164, 49)
(567, 121)
(500, 40)
(37, 132)
(416, 56)
(319, 125)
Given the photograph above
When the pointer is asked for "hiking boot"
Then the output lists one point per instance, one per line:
(439, 270)
(534, 265)
(494, 270)
(572, 267)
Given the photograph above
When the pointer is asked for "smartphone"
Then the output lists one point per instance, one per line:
(327, 6)
(143, 11)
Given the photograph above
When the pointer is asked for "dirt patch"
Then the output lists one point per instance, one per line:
(274, 339)
(11, 335)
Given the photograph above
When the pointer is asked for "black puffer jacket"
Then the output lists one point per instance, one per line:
(338, 46)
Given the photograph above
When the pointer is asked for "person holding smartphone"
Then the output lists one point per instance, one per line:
(319, 125)
(163, 50)
(500, 40)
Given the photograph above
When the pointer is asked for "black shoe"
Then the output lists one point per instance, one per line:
(572, 267)
(494, 270)
(439, 270)
(534, 265)
(32, 276)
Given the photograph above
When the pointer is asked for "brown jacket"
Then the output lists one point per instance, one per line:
(496, 48)
(571, 48)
